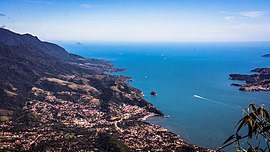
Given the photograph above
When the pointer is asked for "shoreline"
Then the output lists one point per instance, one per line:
(180, 143)
(179, 139)
(148, 116)
(256, 81)
(77, 106)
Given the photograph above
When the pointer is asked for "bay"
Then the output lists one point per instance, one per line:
(178, 71)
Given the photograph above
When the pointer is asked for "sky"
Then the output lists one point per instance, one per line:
(139, 20)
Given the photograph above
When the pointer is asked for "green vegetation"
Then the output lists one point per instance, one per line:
(4, 118)
(6, 115)
(256, 138)
(108, 143)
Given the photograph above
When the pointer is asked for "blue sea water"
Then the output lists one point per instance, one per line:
(177, 72)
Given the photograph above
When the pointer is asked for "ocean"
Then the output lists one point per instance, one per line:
(178, 71)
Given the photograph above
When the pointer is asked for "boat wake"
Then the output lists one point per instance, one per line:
(213, 101)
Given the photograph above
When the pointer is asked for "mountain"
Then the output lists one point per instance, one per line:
(24, 59)
(52, 100)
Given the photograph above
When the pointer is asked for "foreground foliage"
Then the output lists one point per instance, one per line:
(256, 121)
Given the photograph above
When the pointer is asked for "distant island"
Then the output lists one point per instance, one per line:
(266, 55)
(254, 82)
(52, 100)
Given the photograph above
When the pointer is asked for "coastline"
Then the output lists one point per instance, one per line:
(148, 116)
(258, 81)
(180, 141)
(75, 106)
(204, 137)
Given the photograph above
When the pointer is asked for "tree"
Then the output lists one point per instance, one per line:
(257, 122)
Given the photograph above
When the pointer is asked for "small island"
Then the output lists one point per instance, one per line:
(153, 93)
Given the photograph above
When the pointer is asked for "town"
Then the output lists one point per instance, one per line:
(64, 124)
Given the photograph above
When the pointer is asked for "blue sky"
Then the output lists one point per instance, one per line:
(139, 20)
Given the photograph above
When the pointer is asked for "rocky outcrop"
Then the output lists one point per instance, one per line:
(262, 70)
(153, 93)
(253, 82)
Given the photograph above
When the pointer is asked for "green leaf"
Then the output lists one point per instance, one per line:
(252, 105)
(228, 139)
(243, 121)
(259, 110)
(253, 115)
(251, 149)
(250, 132)
(266, 114)
(238, 137)
(267, 128)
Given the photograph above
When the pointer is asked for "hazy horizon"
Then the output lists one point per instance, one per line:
(139, 21)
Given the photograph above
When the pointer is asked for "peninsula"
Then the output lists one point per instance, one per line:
(260, 81)
(52, 100)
